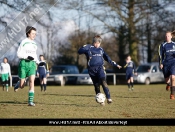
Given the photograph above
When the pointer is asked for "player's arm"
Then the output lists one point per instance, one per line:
(47, 69)
(21, 53)
(37, 71)
(161, 55)
(9, 70)
(36, 58)
(134, 68)
(108, 59)
(125, 64)
(84, 49)
(89, 53)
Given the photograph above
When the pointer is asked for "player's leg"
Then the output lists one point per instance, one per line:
(167, 77)
(96, 84)
(128, 83)
(169, 86)
(102, 76)
(172, 86)
(7, 85)
(172, 77)
(3, 85)
(17, 84)
(31, 74)
(95, 79)
(44, 83)
(6, 81)
(41, 82)
(168, 82)
(22, 75)
(171, 74)
(3, 81)
(132, 83)
(31, 90)
(20, 83)
(106, 89)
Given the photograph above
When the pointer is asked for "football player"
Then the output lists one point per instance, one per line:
(43, 72)
(28, 58)
(167, 80)
(5, 73)
(167, 61)
(130, 71)
(95, 56)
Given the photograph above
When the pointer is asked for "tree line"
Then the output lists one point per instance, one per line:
(134, 27)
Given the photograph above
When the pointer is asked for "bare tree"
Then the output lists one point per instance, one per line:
(24, 7)
(133, 25)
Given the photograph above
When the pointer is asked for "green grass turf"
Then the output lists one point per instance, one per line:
(146, 101)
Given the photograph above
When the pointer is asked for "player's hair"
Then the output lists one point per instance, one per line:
(169, 32)
(41, 56)
(173, 34)
(97, 38)
(6, 58)
(29, 29)
(128, 56)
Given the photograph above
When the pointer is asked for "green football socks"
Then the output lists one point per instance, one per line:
(31, 96)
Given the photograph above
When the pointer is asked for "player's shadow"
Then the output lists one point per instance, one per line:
(78, 95)
(5, 103)
(65, 104)
(58, 104)
(126, 97)
(12, 102)
(70, 95)
(68, 104)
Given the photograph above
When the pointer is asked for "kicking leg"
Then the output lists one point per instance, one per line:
(106, 90)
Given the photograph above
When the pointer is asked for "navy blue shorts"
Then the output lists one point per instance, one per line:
(41, 76)
(169, 69)
(129, 75)
(97, 71)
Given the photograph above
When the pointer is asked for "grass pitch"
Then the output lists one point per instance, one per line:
(146, 101)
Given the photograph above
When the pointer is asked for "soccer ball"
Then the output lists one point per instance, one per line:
(100, 98)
